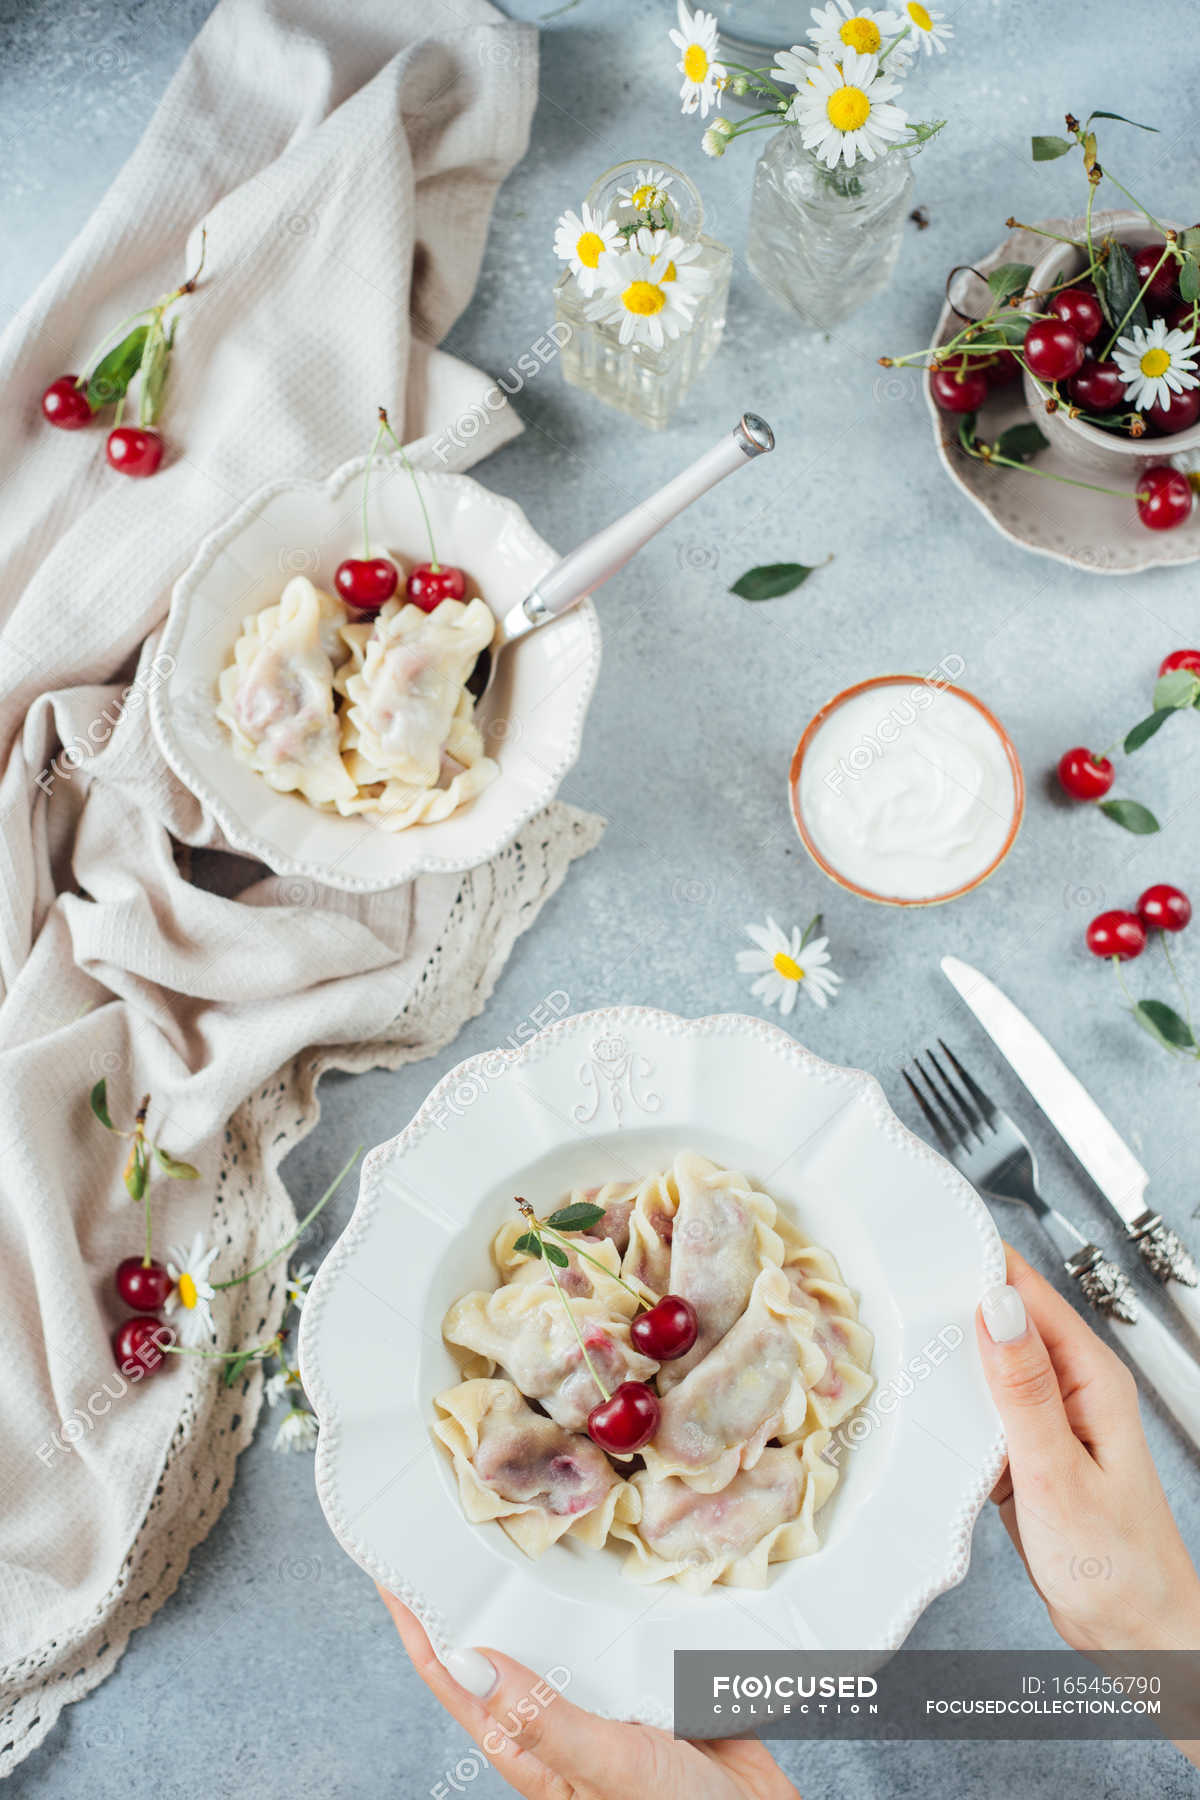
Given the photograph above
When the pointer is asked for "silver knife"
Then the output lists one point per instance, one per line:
(1069, 1107)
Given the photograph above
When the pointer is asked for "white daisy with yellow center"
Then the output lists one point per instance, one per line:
(187, 1304)
(795, 65)
(1155, 363)
(785, 963)
(926, 30)
(681, 260)
(581, 240)
(642, 295)
(841, 26)
(649, 191)
(297, 1431)
(844, 110)
(703, 76)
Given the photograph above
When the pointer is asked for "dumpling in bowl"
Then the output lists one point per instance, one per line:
(405, 684)
(276, 696)
(765, 1515)
(522, 1469)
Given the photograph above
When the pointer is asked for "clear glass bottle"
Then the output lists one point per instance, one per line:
(822, 241)
(645, 382)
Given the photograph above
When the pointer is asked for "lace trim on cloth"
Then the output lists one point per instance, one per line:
(252, 1212)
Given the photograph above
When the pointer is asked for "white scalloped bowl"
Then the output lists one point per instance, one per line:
(532, 718)
(614, 1094)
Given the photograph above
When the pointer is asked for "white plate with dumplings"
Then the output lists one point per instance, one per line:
(781, 1195)
(265, 580)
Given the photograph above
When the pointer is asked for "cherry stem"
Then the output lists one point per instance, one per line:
(530, 1218)
(305, 1222)
(271, 1348)
(1183, 993)
(385, 425)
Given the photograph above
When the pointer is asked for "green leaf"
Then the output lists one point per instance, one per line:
(1165, 1024)
(181, 1171)
(554, 1255)
(1009, 278)
(1143, 732)
(966, 432)
(530, 1243)
(1189, 279)
(1177, 688)
(114, 372)
(1131, 815)
(811, 929)
(1049, 149)
(1189, 240)
(98, 1101)
(1118, 285)
(1121, 120)
(234, 1369)
(576, 1217)
(1010, 327)
(1021, 442)
(770, 580)
(136, 1171)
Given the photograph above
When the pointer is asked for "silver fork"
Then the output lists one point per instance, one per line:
(995, 1156)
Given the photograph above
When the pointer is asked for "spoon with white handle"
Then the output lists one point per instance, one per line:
(583, 570)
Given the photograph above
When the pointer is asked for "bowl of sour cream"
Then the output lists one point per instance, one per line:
(906, 790)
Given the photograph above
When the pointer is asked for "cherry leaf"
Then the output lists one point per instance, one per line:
(1165, 1024)
(1177, 688)
(530, 1243)
(770, 580)
(554, 1255)
(576, 1217)
(1049, 149)
(98, 1101)
(114, 372)
(1131, 815)
(136, 1171)
(1146, 728)
(1009, 278)
(181, 1171)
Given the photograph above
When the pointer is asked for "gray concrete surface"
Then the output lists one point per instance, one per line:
(285, 1676)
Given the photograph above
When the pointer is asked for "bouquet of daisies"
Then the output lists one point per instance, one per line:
(840, 88)
(637, 274)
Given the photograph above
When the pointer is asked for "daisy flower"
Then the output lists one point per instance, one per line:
(581, 240)
(844, 111)
(648, 193)
(795, 65)
(187, 1304)
(279, 1384)
(1155, 363)
(298, 1431)
(703, 75)
(927, 30)
(298, 1285)
(786, 964)
(680, 260)
(643, 295)
(839, 27)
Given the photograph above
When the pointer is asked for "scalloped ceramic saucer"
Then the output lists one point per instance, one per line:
(1096, 532)
(614, 1094)
(532, 717)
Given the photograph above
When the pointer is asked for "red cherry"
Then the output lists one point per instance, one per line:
(627, 1420)
(1001, 369)
(1176, 414)
(1164, 908)
(1098, 387)
(65, 405)
(1052, 350)
(131, 450)
(958, 390)
(668, 1330)
(1164, 497)
(1146, 259)
(1180, 659)
(1084, 776)
(1119, 934)
(427, 587)
(138, 1345)
(366, 582)
(143, 1286)
(1081, 311)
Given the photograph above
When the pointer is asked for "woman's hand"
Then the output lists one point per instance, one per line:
(1081, 1497)
(548, 1749)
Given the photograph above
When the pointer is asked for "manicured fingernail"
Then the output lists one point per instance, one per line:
(1003, 1314)
(472, 1670)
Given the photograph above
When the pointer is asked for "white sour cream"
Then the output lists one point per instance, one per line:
(906, 791)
